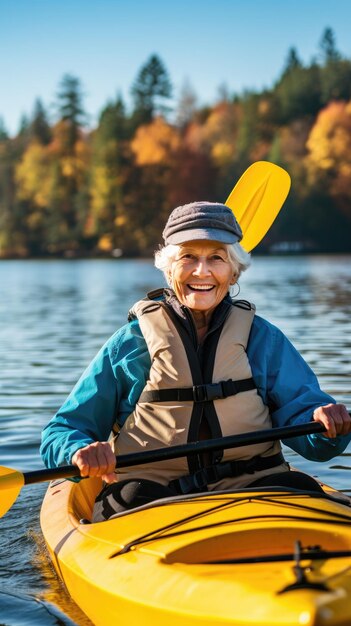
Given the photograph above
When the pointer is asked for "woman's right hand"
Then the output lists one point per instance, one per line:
(96, 459)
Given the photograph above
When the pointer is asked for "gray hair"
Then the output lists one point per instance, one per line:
(238, 258)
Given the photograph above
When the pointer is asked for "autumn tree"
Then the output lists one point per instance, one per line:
(71, 150)
(153, 143)
(153, 147)
(14, 238)
(51, 176)
(328, 166)
(329, 158)
(70, 189)
(110, 161)
(213, 141)
(34, 195)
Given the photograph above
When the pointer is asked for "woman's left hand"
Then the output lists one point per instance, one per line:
(335, 418)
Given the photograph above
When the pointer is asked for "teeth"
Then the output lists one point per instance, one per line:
(201, 287)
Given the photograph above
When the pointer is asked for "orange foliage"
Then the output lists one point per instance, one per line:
(154, 143)
(329, 143)
(217, 136)
(329, 146)
(59, 137)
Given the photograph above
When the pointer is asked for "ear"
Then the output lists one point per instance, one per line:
(234, 279)
(169, 277)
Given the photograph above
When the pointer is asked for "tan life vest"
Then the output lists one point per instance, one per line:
(175, 366)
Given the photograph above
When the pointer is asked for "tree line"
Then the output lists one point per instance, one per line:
(66, 190)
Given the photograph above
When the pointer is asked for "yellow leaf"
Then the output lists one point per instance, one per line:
(155, 143)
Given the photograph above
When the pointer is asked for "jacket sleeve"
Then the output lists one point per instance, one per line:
(290, 388)
(107, 391)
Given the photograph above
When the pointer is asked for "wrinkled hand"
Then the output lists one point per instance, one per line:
(335, 418)
(96, 459)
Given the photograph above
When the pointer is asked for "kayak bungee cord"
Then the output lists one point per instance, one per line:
(158, 534)
(133, 544)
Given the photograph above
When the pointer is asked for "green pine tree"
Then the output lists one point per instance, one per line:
(151, 89)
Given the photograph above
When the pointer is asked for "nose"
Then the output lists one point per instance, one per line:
(202, 267)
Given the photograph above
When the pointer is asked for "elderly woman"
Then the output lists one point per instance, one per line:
(193, 364)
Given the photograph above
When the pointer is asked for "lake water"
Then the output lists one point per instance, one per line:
(55, 315)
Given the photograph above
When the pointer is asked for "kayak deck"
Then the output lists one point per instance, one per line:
(269, 557)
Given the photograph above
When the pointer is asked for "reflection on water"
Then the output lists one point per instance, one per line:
(21, 610)
(55, 315)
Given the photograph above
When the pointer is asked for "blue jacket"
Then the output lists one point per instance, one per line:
(111, 385)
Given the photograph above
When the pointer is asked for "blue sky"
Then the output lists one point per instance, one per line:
(240, 43)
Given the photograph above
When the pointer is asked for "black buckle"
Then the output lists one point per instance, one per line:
(192, 482)
(229, 388)
(199, 393)
(199, 480)
(208, 393)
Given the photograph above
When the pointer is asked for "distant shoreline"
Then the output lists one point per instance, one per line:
(150, 257)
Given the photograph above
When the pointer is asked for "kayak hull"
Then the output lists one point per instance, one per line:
(250, 557)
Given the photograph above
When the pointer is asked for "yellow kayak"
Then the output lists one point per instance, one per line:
(265, 556)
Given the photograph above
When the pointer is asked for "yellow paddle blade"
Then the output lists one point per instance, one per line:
(11, 483)
(257, 199)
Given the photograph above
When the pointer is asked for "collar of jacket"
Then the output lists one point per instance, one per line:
(184, 313)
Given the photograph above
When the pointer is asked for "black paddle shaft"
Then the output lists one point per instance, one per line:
(175, 452)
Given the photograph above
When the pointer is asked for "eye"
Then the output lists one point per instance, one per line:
(218, 257)
(187, 256)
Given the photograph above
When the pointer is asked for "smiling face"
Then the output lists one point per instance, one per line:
(201, 275)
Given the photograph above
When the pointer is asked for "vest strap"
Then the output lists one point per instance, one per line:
(199, 393)
(199, 480)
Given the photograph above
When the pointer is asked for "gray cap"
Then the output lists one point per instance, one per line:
(202, 220)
